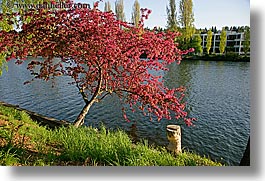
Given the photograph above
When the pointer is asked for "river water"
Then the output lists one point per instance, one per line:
(218, 96)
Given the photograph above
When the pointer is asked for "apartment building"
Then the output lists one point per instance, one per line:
(234, 42)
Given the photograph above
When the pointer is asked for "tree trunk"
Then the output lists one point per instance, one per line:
(81, 117)
(245, 161)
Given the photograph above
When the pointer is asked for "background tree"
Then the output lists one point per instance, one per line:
(119, 10)
(196, 44)
(241, 29)
(172, 23)
(226, 28)
(209, 41)
(186, 21)
(101, 59)
(222, 41)
(214, 29)
(8, 7)
(136, 15)
(107, 6)
(246, 43)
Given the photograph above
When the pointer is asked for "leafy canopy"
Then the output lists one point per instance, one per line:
(102, 56)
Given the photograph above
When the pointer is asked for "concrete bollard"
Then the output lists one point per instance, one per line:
(174, 138)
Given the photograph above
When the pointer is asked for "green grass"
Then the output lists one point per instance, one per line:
(24, 142)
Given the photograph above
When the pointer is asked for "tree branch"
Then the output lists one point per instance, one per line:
(84, 96)
(97, 91)
(104, 96)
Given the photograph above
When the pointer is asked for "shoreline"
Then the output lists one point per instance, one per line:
(226, 58)
(41, 119)
(23, 142)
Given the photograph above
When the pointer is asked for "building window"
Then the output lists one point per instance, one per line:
(237, 43)
(217, 37)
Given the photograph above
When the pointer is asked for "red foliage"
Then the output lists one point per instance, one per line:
(102, 55)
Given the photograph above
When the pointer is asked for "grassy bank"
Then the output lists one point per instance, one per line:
(23, 142)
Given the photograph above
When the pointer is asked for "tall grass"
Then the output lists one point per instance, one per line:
(24, 142)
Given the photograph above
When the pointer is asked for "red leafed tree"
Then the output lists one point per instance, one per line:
(102, 56)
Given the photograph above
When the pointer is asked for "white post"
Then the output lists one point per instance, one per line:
(174, 138)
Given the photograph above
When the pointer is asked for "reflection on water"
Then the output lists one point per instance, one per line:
(218, 95)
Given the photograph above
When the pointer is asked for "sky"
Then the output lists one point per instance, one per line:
(207, 13)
